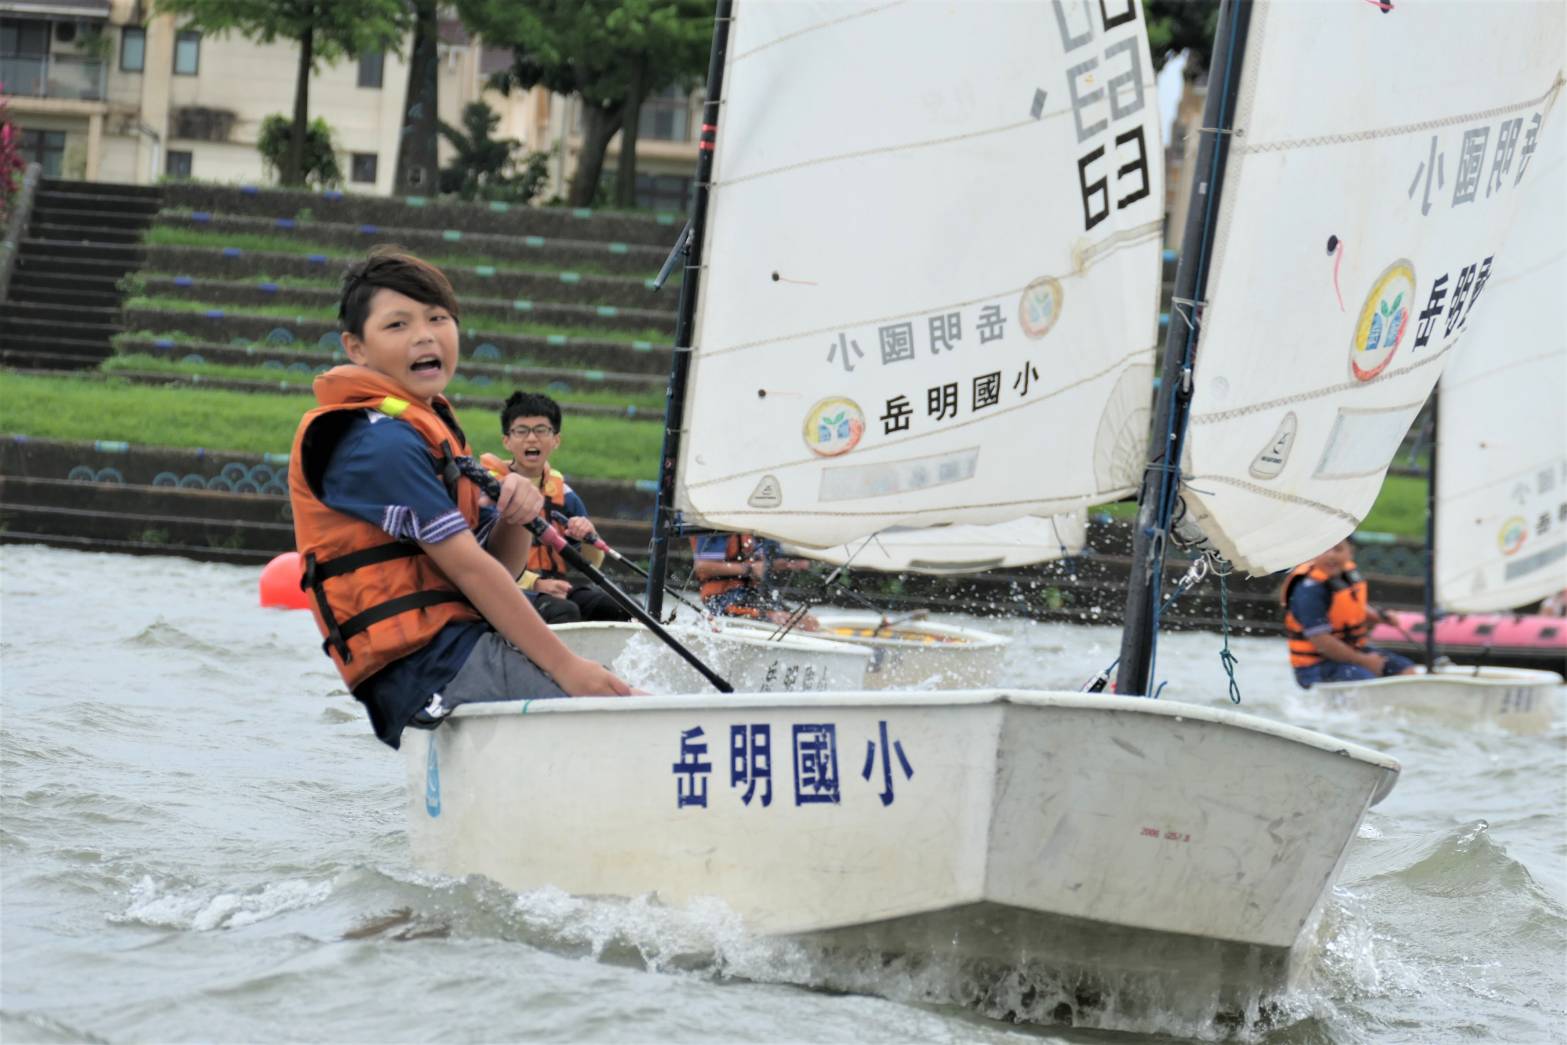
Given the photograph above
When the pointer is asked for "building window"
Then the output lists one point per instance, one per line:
(362, 167)
(370, 65)
(663, 191)
(666, 116)
(178, 165)
(133, 49)
(187, 52)
(23, 39)
(46, 148)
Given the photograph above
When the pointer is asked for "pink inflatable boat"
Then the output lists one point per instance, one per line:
(1503, 639)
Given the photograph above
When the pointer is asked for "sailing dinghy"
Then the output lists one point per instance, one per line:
(913, 301)
(909, 651)
(752, 661)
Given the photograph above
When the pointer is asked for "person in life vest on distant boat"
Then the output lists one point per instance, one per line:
(1327, 618)
(530, 427)
(737, 573)
(411, 570)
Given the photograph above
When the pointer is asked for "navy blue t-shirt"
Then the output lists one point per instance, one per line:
(381, 472)
(1309, 602)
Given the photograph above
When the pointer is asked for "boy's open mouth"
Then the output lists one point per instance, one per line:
(532, 453)
(426, 363)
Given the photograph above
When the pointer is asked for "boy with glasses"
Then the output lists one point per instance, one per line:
(530, 428)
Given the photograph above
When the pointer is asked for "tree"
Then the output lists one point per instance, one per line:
(484, 167)
(610, 53)
(319, 162)
(1182, 25)
(417, 157)
(326, 31)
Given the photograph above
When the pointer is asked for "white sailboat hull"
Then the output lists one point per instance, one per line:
(1113, 835)
(1519, 700)
(919, 654)
(746, 659)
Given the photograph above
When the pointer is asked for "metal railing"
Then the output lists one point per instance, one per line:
(54, 76)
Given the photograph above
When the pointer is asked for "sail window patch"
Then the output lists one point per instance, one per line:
(1363, 442)
(895, 477)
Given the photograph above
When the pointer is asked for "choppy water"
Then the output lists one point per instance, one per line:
(202, 841)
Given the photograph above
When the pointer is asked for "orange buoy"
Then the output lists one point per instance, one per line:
(280, 584)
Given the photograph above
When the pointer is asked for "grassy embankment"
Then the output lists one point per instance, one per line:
(89, 409)
(147, 364)
(593, 447)
(261, 242)
(483, 323)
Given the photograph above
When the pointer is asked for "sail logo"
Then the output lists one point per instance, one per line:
(834, 426)
(1384, 319)
(1512, 535)
(1040, 306)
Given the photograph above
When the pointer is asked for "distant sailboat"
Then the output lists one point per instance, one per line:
(927, 295)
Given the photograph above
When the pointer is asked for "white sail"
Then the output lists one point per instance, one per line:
(931, 267)
(1501, 511)
(959, 548)
(1371, 183)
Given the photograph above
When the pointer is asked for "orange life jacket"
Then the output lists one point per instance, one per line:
(738, 548)
(1347, 612)
(376, 600)
(543, 561)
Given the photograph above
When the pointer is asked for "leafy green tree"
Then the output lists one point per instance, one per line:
(319, 162)
(610, 53)
(1182, 25)
(326, 31)
(485, 166)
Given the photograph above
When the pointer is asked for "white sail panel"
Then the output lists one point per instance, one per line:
(1501, 511)
(960, 548)
(930, 274)
(1371, 183)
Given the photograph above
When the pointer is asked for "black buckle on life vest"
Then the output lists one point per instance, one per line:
(314, 580)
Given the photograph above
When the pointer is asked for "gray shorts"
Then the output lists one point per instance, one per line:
(497, 670)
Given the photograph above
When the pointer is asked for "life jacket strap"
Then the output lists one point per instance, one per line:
(317, 573)
(392, 607)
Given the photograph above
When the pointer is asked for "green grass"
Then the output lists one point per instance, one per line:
(480, 324)
(261, 242)
(148, 364)
(85, 409)
(1399, 509)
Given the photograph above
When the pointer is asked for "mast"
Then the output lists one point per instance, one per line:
(1159, 495)
(675, 397)
(1430, 556)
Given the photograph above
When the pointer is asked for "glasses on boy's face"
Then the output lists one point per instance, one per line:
(542, 431)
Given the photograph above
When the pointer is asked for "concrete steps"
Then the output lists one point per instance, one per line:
(81, 240)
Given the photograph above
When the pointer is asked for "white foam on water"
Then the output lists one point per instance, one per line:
(165, 905)
(706, 939)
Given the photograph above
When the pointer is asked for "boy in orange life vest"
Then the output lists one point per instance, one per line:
(737, 573)
(412, 572)
(530, 426)
(1327, 619)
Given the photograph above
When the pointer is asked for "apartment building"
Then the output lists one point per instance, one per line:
(110, 90)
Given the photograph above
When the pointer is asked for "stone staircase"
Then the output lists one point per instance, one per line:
(64, 303)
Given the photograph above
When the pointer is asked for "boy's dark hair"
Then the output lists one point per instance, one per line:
(529, 404)
(390, 268)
